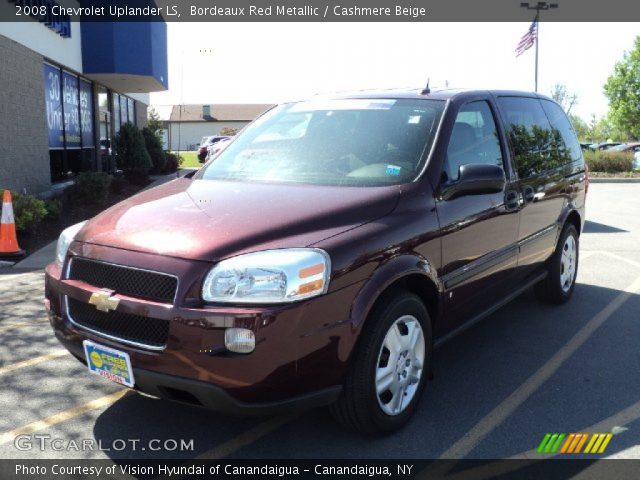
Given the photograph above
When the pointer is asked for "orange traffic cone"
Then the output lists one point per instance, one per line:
(8, 239)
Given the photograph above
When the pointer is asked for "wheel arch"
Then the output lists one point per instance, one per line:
(411, 273)
(574, 217)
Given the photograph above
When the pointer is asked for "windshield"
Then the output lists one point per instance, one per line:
(356, 142)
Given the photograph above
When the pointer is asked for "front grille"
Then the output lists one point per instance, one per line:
(129, 281)
(131, 329)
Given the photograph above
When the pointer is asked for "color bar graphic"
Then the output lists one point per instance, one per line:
(573, 443)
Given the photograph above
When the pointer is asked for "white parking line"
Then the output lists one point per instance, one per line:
(63, 416)
(32, 323)
(499, 414)
(14, 276)
(619, 257)
(33, 361)
(246, 438)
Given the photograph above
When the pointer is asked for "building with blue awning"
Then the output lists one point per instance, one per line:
(66, 87)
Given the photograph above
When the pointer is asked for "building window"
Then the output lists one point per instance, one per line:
(69, 110)
(131, 110)
(123, 110)
(104, 122)
(116, 112)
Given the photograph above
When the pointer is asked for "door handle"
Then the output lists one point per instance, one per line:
(511, 200)
(528, 193)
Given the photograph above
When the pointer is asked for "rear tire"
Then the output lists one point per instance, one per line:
(562, 269)
(389, 368)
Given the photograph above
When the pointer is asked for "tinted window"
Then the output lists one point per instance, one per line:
(474, 139)
(567, 143)
(531, 137)
(357, 142)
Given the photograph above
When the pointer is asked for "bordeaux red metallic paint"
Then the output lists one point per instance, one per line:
(460, 256)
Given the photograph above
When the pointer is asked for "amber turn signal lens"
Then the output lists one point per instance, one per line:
(312, 270)
(311, 286)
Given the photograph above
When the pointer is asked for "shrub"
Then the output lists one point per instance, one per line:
(91, 187)
(137, 177)
(118, 184)
(28, 211)
(173, 161)
(54, 208)
(609, 162)
(133, 158)
(228, 131)
(153, 143)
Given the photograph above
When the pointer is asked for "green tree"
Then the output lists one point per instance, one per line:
(580, 126)
(154, 149)
(132, 154)
(153, 122)
(601, 130)
(623, 91)
(567, 100)
(592, 128)
(561, 94)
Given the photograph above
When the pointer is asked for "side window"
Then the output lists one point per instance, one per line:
(531, 137)
(474, 139)
(566, 141)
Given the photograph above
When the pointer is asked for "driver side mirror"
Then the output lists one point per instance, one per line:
(474, 179)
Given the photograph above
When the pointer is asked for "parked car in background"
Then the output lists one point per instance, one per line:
(217, 147)
(636, 161)
(205, 143)
(626, 147)
(322, 253)
(603, 146)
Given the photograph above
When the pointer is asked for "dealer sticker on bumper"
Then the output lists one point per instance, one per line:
(109, 363)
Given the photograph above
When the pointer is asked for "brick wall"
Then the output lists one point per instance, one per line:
(24, 148)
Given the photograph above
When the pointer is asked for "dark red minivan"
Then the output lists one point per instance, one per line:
(318, 258)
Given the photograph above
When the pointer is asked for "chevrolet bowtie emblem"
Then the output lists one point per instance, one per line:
(104, 301)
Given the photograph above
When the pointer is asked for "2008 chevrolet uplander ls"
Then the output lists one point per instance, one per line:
(317, 259)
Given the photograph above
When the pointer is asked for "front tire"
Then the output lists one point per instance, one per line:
(390, 366)
(562, 269)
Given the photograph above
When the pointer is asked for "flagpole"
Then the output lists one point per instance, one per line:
(537, 40)
(538, 7)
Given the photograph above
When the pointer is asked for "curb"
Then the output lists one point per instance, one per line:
(614, 180)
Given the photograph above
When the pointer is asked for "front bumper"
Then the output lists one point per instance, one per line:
(204, 394)
(301, 351)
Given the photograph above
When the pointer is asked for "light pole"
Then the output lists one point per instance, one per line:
(538, 6)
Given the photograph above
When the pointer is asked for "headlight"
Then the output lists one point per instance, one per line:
(65, 239)
(272, 276)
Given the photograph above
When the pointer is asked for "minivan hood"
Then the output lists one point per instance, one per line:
(209, 220)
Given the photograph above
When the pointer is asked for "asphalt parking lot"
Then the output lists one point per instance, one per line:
(499, 387)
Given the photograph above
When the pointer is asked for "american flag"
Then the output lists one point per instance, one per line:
(528, 39)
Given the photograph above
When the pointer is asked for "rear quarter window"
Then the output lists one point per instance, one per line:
(566, 142)
(537, 145)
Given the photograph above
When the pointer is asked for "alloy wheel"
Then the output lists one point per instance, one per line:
(400, 365)
(568, 263)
